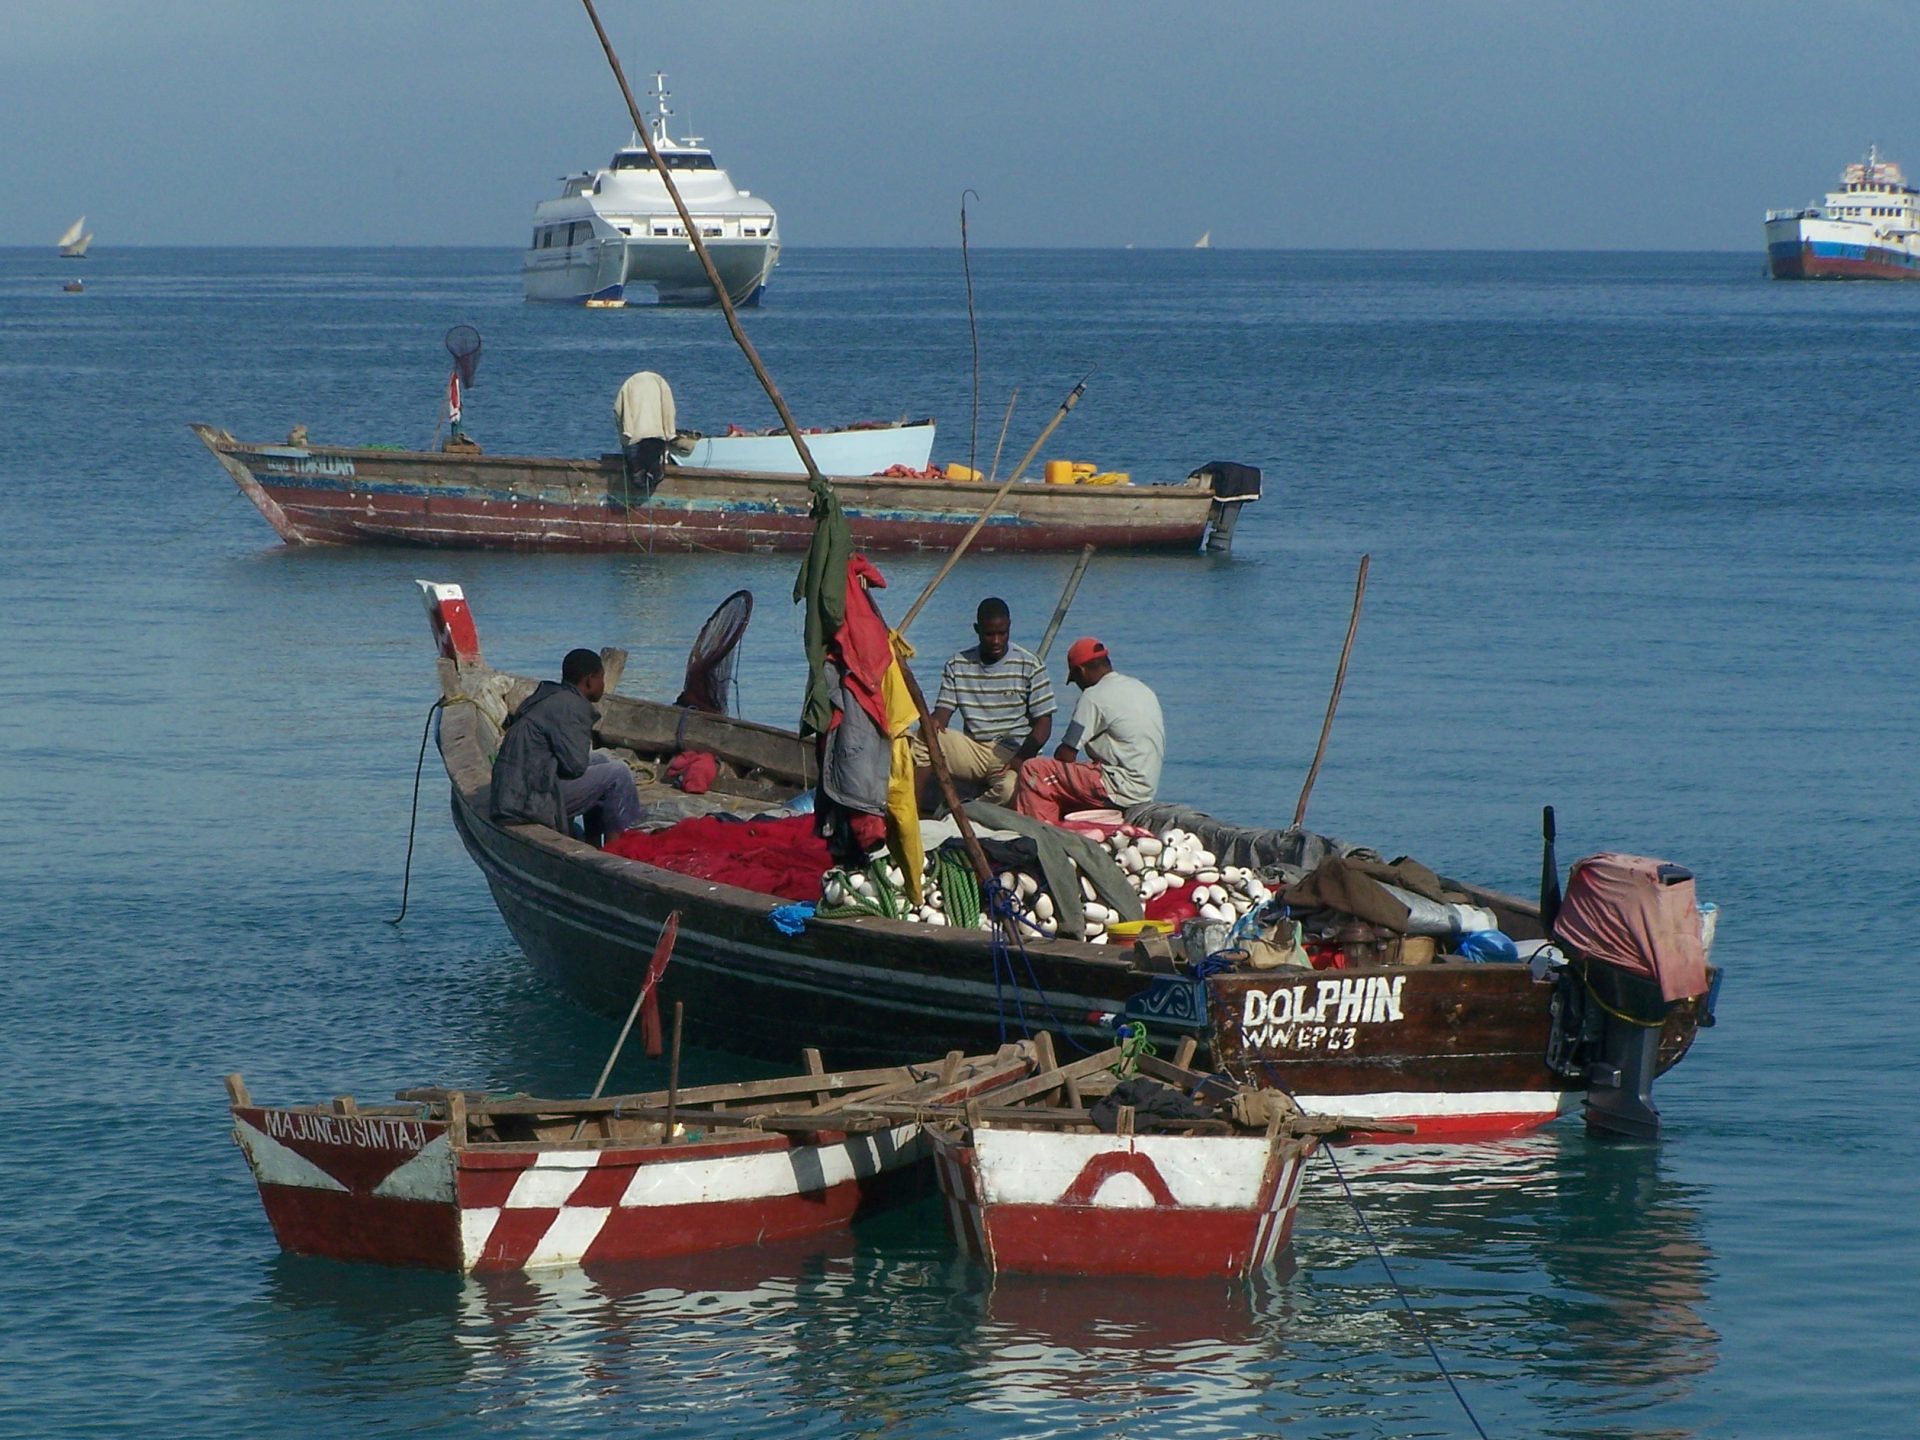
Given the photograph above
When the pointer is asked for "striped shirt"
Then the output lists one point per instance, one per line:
(999, 702)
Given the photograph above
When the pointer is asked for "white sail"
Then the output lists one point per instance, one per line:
(78, 250)
(74, 232)
(1205, 242)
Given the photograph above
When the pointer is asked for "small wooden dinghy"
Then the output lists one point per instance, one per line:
(450, 1180)
(1042, 1177)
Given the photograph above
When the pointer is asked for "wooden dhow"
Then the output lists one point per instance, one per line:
(461, 499)
(452, 1180)
(1454, 1049)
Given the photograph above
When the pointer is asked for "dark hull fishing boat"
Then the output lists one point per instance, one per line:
(461, 499)
(1448, 1048)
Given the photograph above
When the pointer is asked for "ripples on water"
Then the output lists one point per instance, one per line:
(1635, 552)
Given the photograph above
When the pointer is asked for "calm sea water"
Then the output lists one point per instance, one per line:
(1643, 536)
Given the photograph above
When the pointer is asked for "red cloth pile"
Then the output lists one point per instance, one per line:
(907, 472)
(694, 771)
(774, 857)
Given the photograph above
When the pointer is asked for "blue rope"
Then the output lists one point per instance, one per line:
(1218, 963)
(1003, 907)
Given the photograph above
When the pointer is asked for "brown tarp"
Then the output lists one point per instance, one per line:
(1619, 910)
(1357, 887)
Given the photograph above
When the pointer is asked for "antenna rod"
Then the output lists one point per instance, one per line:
(706, 260)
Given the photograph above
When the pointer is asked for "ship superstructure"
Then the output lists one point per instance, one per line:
(1869, 229)
(615, 228)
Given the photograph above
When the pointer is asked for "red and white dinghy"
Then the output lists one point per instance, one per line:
(464, 1182)
(1036, 1183)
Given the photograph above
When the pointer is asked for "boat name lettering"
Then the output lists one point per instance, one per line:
(1349, 1000)
(336, 466)
(372, 1134)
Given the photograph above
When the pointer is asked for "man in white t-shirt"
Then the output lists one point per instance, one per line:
(1118, 723)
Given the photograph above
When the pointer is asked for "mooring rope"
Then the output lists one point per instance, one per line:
(413, 820)
(1398, 1289)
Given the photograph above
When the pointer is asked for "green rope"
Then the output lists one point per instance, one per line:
(1134, 1046)
(959, 888)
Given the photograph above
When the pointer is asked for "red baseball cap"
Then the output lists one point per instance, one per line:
(1084, 649)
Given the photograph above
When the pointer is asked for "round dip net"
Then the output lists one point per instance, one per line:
(463, 343)
(714, 660)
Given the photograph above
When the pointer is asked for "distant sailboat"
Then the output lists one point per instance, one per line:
(73, 244)
(1205, 242)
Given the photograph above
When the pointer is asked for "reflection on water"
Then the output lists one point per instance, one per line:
(1581, 1261)
(1547, 1267)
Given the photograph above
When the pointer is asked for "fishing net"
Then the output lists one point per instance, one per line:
(463, 343)
(714, 660)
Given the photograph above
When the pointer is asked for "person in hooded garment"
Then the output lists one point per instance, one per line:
(547, 771)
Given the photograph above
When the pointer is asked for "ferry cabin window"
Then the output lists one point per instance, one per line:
(640, 160)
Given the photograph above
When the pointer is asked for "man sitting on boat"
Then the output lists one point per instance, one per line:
(644, 410)
(1118, 721)
(547, 772)
(1005, 702)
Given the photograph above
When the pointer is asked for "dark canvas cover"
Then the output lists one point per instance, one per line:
(1623, 910)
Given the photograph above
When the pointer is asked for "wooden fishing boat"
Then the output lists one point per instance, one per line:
(338, 495)
(1455, 1049)
(449, 1180)
(1037, 1180)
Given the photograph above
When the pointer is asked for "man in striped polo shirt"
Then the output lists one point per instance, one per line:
(1005, 702)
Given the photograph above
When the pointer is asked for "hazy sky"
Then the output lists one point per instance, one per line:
(1353, 124)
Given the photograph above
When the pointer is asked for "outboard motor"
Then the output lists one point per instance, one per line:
(1234, 487)
(1632, 929)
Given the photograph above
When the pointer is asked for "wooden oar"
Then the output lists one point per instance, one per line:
(655, 969)
(1333, 700)
(1066, 405)
(1066, 603)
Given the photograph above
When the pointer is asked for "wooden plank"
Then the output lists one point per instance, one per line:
(1053, 1079)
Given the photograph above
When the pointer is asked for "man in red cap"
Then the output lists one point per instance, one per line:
(1118, 722)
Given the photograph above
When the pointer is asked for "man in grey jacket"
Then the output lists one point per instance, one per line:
(546, 772)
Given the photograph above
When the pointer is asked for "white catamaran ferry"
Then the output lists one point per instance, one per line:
(614, 228)
(1869, 229)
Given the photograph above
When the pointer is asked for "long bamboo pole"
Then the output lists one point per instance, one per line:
(1333, 700)
(1066, 405)
(1066, 602)
(706, 260)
